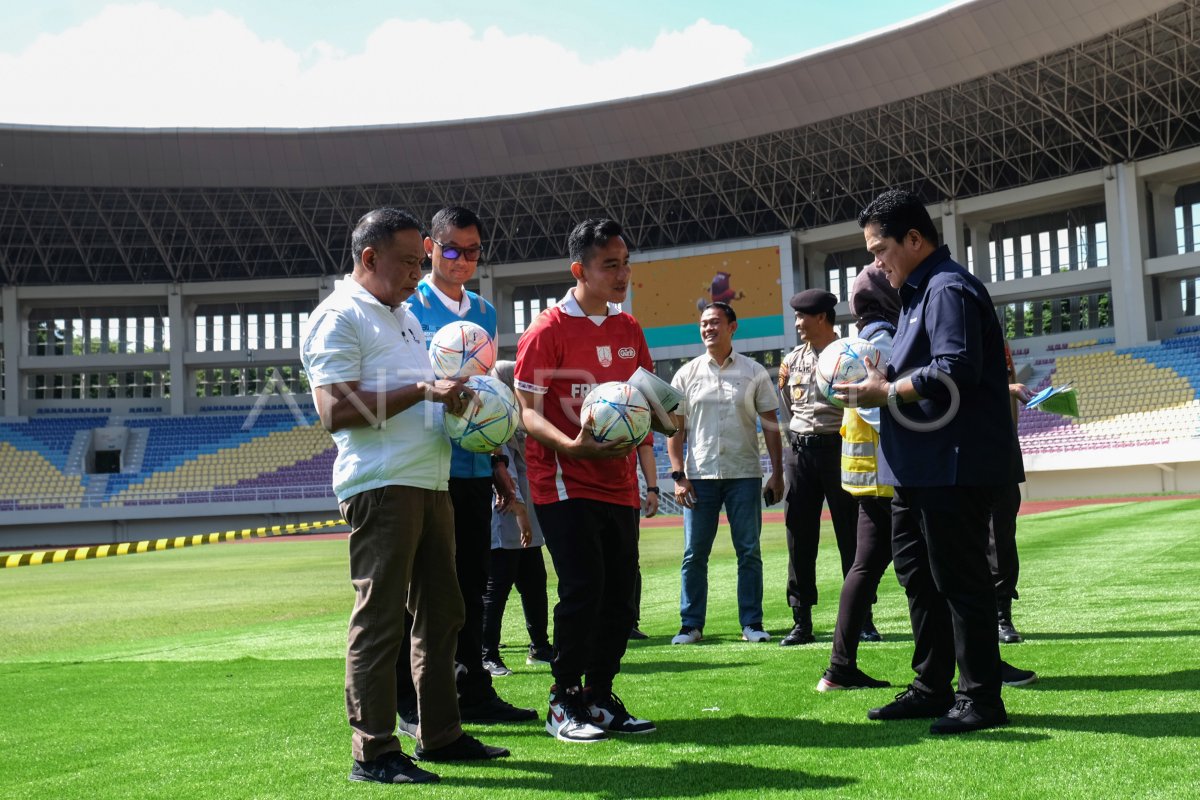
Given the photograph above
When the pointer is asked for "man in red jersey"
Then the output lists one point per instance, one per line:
(585, 493)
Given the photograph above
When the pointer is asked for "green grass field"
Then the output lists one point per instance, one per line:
(216, 672)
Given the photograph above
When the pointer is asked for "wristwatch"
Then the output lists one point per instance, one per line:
(677, 475)
(893, 396)
(500, 459)
(654, 489)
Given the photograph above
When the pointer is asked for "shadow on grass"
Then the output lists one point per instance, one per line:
(1180, 724)
(650, 667)
(680, 779)
(1183, 680)
(1085, 635)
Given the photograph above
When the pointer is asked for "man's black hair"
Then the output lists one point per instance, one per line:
(454, 217)
(897, 212)
(730, 314)
(590, 233)
(377, 227)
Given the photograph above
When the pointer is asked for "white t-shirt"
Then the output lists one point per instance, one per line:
(351, 336)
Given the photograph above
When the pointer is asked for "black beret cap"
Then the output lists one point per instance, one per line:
(813, 301)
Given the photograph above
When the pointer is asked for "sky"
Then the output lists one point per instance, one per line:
(294, 64)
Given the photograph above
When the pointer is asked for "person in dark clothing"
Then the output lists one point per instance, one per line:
(949, 447)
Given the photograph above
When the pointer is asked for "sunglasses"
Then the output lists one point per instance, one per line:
(454, 253)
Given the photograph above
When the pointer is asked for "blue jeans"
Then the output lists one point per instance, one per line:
(743, 504)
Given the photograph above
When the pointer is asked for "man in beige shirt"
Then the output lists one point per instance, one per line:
(814, 472)
(726, 397)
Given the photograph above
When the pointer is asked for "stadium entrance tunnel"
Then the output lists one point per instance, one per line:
(105, 454)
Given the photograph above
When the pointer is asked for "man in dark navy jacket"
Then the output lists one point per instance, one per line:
(949, 447)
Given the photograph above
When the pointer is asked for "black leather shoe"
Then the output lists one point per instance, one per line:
(966, 717)
(1015, 676)
(464, 748)
(1008, 634)
(494, 709)
(869, 633)
(912, 703)
(798, 635)
(802, 631)
(393, 767)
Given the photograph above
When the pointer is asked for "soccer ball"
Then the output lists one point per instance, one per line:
(461, 349)
(489, 421)
(616, 412)
(844, 361)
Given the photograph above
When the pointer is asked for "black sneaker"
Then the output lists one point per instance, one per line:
(912, 703)
(1007, 633)
(636, 634)
(496, 666)
(610, 714)
(1014, 676)
(869, 632)
(542, 655)
(464, 748)
(836, 678)
(393, 767)
(965, 717)
(494, 709)
(408, 723)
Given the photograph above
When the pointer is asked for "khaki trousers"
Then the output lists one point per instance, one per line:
(401, 555)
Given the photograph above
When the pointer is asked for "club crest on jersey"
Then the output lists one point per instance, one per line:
(604, 355)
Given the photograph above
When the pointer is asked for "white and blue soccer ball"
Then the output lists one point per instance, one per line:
(490, 419)
(460, 350)
(844, 361)
(616, 412)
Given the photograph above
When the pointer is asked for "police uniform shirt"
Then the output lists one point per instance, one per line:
(811, 412)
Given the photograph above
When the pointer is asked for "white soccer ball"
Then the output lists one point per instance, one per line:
(616, 412)
(460, 350)
(490, 419)
(844, 361)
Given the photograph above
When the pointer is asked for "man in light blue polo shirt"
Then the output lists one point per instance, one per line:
(454, 247)
(376, 394)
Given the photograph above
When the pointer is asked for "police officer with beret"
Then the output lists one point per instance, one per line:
(814, 466)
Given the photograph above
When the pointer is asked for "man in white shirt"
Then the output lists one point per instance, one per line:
(726, 394)
(375, 392)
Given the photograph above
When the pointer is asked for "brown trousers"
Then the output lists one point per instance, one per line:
(401, 555)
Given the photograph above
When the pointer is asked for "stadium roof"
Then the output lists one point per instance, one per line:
(985, 96)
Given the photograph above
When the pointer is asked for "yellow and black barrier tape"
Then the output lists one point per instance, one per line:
(154, 545)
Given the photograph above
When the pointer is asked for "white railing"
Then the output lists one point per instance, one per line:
(247, 494)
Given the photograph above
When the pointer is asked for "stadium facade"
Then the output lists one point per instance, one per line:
(167, 272)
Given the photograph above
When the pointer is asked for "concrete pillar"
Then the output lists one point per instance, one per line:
(12, 351)
(1162, 212)
(1128, 246)
(953, 235)
(981, 256)
(181, 341)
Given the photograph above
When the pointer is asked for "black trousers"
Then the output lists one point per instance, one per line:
(1002, 545)
(525, 569)
(594, 546)
(472, 501)
(815, 478)
(871, 558)
(939, 546)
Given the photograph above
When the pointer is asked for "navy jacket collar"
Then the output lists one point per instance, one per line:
(918, 275)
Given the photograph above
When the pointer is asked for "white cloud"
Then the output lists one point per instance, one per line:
(143, 65)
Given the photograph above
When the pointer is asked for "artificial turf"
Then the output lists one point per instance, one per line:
(217, 672)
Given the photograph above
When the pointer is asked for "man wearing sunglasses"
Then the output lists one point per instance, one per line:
(455, 247)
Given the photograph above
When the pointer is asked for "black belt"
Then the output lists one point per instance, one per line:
(816, 440)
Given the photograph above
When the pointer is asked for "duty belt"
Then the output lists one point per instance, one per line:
(815, 440)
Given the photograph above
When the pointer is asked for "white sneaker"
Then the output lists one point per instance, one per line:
(568, 719)
(755, 633)
(687, 636)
